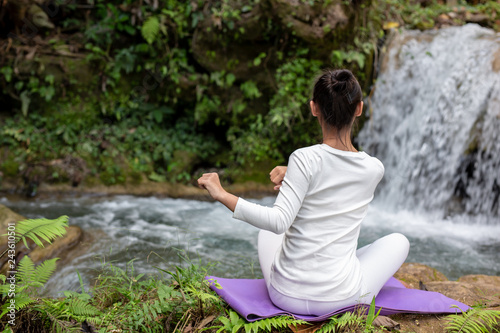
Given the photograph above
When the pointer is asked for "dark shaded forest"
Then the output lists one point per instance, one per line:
(108, 92)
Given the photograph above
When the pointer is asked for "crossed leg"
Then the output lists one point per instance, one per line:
(378, 261)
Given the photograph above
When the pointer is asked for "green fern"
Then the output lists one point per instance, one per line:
(21, 301)
(234, 323)
(474, 321)
(58, 314)
(348, 322)
(28, 275)
(40, 229)
(150, 29)
(231, 324)
(28, 279)
(269, 324)
(78, 307)
(67, 315)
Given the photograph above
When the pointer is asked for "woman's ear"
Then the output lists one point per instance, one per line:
(314, 109)
(359, 109)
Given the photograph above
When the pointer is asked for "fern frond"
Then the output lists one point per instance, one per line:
(475, 320)
(41, 229)
(21, 301)
(25, 271)
(150, 29)
(54, 309)
(79, 307)
(234, 323)
(348, 322)
(45, 270)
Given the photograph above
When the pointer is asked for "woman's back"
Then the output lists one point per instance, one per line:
(318, 256)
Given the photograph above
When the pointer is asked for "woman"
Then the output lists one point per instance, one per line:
(307, 248)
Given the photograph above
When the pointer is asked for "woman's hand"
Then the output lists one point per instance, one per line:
(211, 183)
(277, 174)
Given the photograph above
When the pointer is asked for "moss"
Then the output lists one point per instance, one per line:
(112, 175)
(258, 173)
(182, 165)
(425, 24)
(135, 177)
(10, 168)
(113, 169)
(92, 181)
(435, 274)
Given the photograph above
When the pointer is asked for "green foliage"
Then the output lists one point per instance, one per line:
(150, 29)
(234, 323)
(28, 281)
(137, 91)
(371, 316)
(29, 276)
(347, 322)
(66, 315)
(19, 289)
(139, 143)
(476, 320)
(147, 304)
(414, 15)
(39, 230)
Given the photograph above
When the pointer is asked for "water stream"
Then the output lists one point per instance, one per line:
(435, 126)
(153, 230)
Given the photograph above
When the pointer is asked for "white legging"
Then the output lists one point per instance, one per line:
(379, 261)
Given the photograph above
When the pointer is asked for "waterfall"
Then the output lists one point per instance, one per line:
(435, 123)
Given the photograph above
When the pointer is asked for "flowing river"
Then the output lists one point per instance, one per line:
(435, 125)
(154, 230)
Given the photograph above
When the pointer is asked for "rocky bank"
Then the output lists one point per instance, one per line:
(470, 289)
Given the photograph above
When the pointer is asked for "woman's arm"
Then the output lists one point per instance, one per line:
(276, 219)
(280, 217)
(211, 183)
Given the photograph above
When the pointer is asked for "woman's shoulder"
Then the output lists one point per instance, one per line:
(307, 152)
(377, 164)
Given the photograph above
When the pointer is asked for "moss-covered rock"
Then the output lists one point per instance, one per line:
(413, 274)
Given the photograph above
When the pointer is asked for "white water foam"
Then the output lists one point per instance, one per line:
(436, 112)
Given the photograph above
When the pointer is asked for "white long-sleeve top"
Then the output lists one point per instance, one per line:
(322, 201)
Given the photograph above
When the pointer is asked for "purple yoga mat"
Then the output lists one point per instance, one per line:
(250, 299)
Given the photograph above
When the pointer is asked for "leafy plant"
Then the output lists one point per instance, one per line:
(474, 321)
(38, 230)
(347, 322)
(371, 316)
(235, 323)
(66, 315)
(150, 29)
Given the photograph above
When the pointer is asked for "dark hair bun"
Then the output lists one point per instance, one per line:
(340, 80)
(343, 75)
(337, 93)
